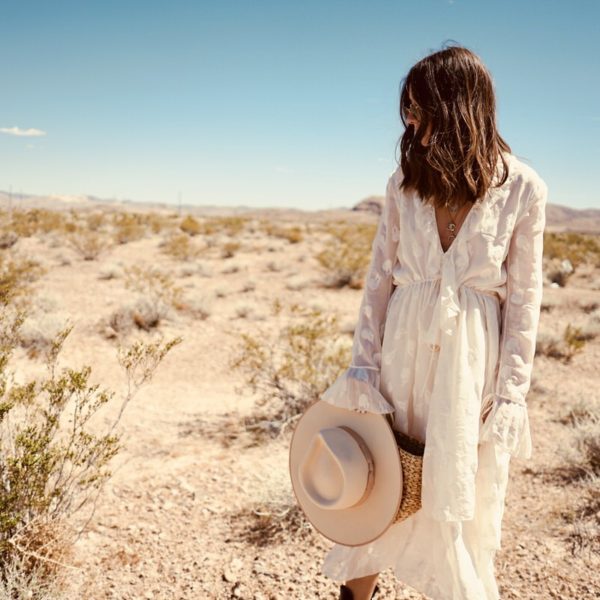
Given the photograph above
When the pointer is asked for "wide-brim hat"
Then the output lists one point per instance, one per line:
(346, 472)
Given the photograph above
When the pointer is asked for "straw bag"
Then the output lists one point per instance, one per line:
(411, 453)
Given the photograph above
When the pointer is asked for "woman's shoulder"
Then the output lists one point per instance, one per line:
(526, 177)
(395, 177)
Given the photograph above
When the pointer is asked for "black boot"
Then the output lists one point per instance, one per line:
(346, 592)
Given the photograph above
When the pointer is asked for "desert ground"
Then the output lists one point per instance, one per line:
(199, 504)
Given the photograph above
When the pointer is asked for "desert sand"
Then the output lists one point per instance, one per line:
(178, 518)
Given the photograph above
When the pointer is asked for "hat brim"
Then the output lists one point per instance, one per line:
(365, 522)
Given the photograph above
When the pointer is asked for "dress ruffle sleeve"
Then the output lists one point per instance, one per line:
(507, 423)
(357, 388)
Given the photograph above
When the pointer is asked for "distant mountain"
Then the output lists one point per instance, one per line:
(559, 217)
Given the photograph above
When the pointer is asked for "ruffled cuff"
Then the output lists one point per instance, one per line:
(357, 388)
(507, 426)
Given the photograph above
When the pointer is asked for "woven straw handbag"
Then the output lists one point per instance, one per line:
(411, 453)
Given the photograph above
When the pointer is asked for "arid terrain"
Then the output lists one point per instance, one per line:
(200, 503)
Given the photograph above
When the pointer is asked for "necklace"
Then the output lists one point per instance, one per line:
(452, 209)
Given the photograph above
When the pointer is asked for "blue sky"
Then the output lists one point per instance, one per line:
(270, 104)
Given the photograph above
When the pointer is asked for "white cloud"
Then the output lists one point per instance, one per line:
(22, 132)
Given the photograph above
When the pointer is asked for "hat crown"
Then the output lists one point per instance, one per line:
(336, 469)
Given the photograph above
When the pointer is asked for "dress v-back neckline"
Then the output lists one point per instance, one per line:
(437, 231)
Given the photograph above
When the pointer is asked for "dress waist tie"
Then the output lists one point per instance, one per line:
(452, 433)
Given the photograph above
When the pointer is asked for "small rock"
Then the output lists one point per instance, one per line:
(228, 575)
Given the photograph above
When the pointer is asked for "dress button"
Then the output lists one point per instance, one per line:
(434, 347)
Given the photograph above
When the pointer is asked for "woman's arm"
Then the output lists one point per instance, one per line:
(507, 424)
(357, 387)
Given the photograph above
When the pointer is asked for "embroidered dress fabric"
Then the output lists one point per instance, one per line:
(444, 338)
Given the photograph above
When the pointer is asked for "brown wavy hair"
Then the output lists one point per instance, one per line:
(454, 92)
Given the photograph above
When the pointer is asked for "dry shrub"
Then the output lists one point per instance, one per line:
(228, 225)
(197, 307)
(292, 234)
(95, 220)
(147, 314)
(578, 248)
(128, 227)
(110, 271)
(39, 329)
(346, 255)
(230, 269)
(8, 239)
(565, 348)
(180, 247)
(23, 580)
(229, 249)
(244, 311)
(581, 471)
(271, 515)
(190, 226)
(16, 275)
(263, 526)
(26, 223)
(158, 294)
(153, 221)
(88, 244)
(118, 324)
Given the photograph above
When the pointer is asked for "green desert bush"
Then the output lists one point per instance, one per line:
(347, 253)
(288, 374)
(53, 463)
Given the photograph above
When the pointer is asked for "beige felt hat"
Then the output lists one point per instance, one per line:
(346, 470)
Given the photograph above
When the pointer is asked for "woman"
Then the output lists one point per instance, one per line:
(446, 332)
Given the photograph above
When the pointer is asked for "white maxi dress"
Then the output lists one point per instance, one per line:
(441, 338)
